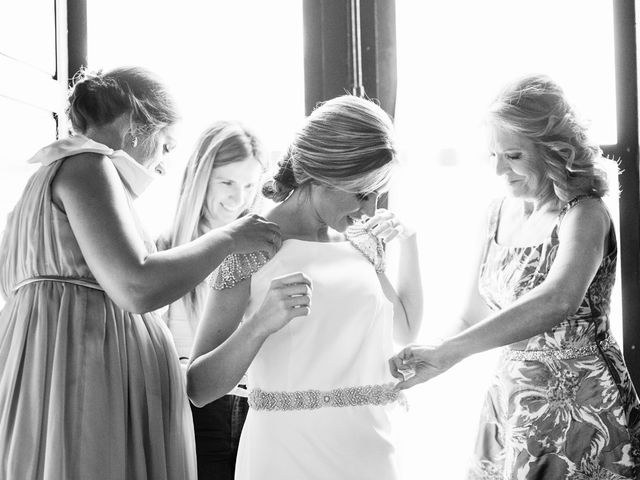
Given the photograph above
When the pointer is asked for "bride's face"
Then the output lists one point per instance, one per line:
(338, 209)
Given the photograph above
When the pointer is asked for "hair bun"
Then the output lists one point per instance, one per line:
(283, 181)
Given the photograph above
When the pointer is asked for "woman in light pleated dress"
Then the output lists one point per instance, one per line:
(90, 384)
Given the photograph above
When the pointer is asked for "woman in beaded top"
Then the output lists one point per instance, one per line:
(90, 383)
(561, 404)
(313, 324)
(219, 185)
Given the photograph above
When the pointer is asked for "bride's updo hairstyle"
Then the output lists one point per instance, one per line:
(98, 98)
(346, 143)
(536, 108)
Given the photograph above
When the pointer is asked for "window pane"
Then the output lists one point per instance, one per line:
(453, 58)
(17, 147)
(28, 32)
(238, 60)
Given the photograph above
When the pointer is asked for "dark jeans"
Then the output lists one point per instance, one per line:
(217, 427)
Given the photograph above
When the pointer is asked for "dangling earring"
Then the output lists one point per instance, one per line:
(134, 142)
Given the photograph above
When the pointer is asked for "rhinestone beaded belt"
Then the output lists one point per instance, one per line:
(313, 399)
(556, 354)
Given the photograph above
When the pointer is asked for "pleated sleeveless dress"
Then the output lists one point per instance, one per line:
(87, 389)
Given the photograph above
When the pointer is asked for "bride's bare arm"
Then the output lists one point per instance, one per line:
(405, 292)
(406, 295)
(215, 371)
(224, 347)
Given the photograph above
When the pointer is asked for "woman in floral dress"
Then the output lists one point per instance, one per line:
(561, 404)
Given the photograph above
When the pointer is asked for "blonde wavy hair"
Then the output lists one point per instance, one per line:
(537, 108)
(222, 143)
(346, 143)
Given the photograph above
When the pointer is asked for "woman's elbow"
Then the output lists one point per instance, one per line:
(193, 392)
(200, 391)
(135, 298)
(562, 306)
(132, 303)
(406, 334)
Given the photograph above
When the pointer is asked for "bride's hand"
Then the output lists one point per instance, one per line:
(386, 226)
(418, 363)
(288, 297)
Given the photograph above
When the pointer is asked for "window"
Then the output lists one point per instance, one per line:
(33, 81)
(222, 60)
(453, 57)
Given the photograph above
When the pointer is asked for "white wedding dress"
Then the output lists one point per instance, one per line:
(320, 388)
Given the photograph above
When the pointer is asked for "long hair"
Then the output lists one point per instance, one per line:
(536, 108)
(223, 143)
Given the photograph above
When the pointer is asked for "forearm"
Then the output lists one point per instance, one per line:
(409, 292)
(163, 277)
(475, 311)
(534, 313)
(215, 373)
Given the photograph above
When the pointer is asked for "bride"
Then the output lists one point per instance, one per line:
(315, 324)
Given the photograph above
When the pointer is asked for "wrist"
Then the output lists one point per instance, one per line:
(408, 236)
(452, 351)
(226, 241)
(255, 330)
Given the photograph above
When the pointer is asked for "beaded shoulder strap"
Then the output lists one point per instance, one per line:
(368, 244)
(569, 205)
(236, 268)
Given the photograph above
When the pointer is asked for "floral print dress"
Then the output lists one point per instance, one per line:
(561, 404)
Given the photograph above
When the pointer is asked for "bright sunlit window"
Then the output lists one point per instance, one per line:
(453, 58)
(223, 60)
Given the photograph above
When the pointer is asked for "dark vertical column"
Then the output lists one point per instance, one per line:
(627, 151)
(379, 60)
(77, 35)
(326, 51)
(328, 61)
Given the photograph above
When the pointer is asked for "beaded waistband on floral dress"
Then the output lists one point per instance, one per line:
(565, 353)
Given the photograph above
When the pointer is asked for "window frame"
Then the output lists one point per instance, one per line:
(329, 72)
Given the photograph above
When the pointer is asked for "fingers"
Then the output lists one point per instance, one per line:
(380, 216)
(395, 364)
(291, 279)
(300, 311)
(384, 225)
(411, 382)
(272, 237)
(391, 235)
(298, 301)
(401, 362)
(295, 290)
(274, 241)
(297, 295)
(253, 232)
